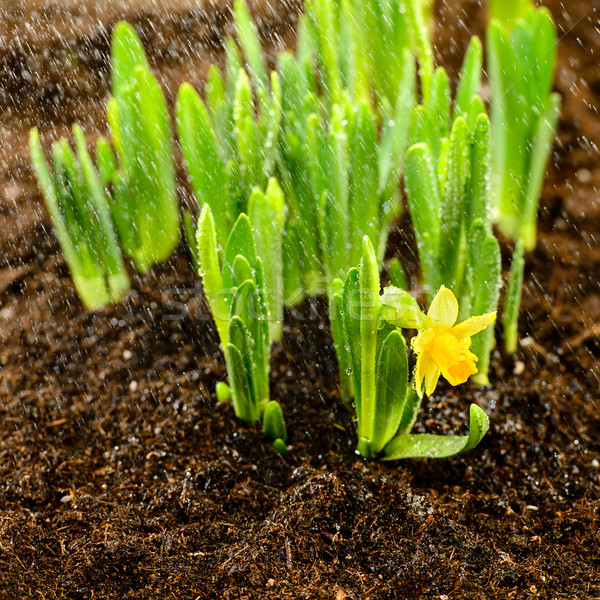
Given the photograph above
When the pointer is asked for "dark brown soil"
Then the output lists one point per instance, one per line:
(122, 477)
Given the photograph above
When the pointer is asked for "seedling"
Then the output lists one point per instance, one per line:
(341, 31)
(228, 150)
(386, 404)
(339, 170)
(238, 295)
(447, 175)
(341, 182)
(274, 426)
(144, 202)
(512, 300)
(522, 46)
(522, 62)
(79, 210)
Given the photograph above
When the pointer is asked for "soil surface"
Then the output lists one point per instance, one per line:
(122, 477)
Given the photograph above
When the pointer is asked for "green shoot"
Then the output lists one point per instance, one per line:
(512, 301)
(447, 176)
(338, 168)
(144, 204)
(244, 291)
(227, 149)
(386, 405)
(392, 30)
(522, 62)
(223, 392)
(79, 210)
(274, 426)
(235, 291)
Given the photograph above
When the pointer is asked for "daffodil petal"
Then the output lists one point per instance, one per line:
(431, 378)
(420, 342)
(420, 373)
(473, 325)
(444, 308)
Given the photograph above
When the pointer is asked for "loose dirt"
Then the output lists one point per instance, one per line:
(122, 477)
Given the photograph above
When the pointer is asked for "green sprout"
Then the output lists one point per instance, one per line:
(243, 297)
(338, 167)
(274, 426)
(522, 46)
(522, 62)
(79, 210)
(227, 149)
(512, 300)
(386, 404)
(339, 31)
(144, 201)
(447, 177)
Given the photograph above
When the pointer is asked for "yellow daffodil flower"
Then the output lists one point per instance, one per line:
(442, 347)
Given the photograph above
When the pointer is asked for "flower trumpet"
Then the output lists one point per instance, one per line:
(442, 347)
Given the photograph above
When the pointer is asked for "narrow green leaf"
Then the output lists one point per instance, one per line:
(470, 78)
(241, 338)
(453, 214)
(266, 212)
(233, 68)
(105, 238)
(72, 206)
(392, 382)
(336, 211)
(342, 351)
(478, 204)
(91, 289)
(189, 229)
(106, 161)
(369, 304)
(396, 128)
(220, 109)
(438, 107)
(352, 316)
(249, 150)
(241, 271)
(424, 202)
(271, 123)
(420, 41)
(306, 46)
(322, 12)
(127, 52)
(512, 300)
(158, 218)
(363, 198)
(476, 109)
(293, 290)
(200, 151)
(218, 297)
(485, 273)
(247, 36)
(543, 138)
(240, 242)
(426, 445)
(241, 388)
(247, 304)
